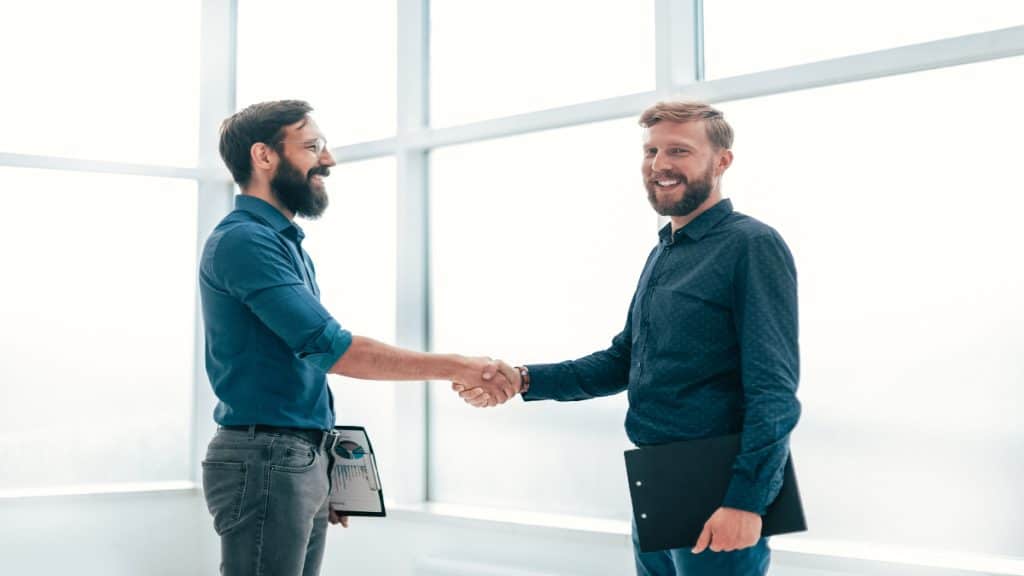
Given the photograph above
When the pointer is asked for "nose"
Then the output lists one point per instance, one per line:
(326, 158)
(660, 163)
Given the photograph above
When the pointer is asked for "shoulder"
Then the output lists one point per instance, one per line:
(746, 228)
(241, 239)
(752, 243)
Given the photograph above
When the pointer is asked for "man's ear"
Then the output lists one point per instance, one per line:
(723, 162)
(262, 156)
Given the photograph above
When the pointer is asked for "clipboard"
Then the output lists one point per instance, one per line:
(676, 487)
(355, 482)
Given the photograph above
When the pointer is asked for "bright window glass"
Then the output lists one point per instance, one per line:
(901, 200)
(98, 308)
(354, 248)
(80, 82)
(537, 244)
(492, 59)
(742, 36)
(341, 57)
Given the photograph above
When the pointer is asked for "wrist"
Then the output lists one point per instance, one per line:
(524, 379)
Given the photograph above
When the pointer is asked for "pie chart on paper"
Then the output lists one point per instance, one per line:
(349, 450)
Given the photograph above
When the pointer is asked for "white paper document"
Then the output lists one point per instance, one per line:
(355, 483)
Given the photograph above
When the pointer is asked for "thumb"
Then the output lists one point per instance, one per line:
(703, 540)
(490, 369)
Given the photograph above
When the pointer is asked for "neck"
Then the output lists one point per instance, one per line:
(263, 192)
(680, 221)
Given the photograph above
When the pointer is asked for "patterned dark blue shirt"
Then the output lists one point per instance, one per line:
(709, 348)
(269, 342)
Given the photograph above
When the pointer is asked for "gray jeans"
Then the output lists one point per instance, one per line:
(268, 494)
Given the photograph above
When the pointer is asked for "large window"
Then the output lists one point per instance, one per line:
(523, 238)
(98, 323)
(80, 82)
(901, 201)
(98, 295)
(490, 59)
(742, 36)
(338, 56)
(538, 244)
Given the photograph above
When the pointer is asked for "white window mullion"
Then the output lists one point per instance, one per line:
(413, 325)
(216, 190)
(678, 44)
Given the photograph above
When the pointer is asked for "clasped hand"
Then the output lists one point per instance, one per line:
(487, 382)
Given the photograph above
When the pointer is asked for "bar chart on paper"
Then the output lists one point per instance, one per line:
(353, 477)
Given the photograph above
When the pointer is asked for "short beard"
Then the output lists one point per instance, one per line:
(695, 194)
(297, 193)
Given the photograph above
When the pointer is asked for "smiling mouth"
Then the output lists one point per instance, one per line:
(666, 182)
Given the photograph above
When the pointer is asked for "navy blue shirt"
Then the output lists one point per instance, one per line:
(269, 341)
(709, 348)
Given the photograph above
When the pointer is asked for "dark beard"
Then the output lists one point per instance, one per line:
(694, 195)
(297, 193)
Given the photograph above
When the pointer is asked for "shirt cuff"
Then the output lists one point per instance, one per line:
(542, 380)
(328, 347)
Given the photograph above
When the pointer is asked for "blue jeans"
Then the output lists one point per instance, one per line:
(751, 561)
(268, 495)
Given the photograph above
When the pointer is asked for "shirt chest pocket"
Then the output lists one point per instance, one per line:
(685, 323)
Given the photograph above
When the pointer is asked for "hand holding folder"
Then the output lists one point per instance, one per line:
(675, 488)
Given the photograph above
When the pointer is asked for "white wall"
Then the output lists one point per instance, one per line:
(151, 534)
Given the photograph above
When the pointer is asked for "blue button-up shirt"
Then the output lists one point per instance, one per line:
(709, 348)
(269, 341)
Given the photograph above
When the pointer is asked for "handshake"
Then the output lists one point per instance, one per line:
(485, 382)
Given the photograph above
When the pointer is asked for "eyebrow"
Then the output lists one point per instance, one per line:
(671, 145)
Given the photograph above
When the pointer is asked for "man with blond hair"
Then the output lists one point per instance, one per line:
(710, 342)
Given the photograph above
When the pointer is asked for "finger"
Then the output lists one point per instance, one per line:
(512, 375)
(472, 393)
(481, 401)
(703, 540)
(490, 369)
(506, 387)
(344, 521)
(333, 517)
(458, 387)
(500, 395)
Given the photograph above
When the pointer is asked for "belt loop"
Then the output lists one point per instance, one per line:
(252, 432)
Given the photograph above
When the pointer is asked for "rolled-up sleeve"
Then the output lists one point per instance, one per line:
(254, 266)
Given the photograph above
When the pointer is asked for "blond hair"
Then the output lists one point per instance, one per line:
(718, 130)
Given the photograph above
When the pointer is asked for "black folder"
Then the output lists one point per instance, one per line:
(676, 487)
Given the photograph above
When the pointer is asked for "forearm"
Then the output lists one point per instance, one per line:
(369, 359)
(600, 374)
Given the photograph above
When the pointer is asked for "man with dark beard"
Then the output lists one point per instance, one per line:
(270, 345)
(710, 342)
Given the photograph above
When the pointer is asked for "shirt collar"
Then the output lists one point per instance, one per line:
(272, 216)
(700, 226)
